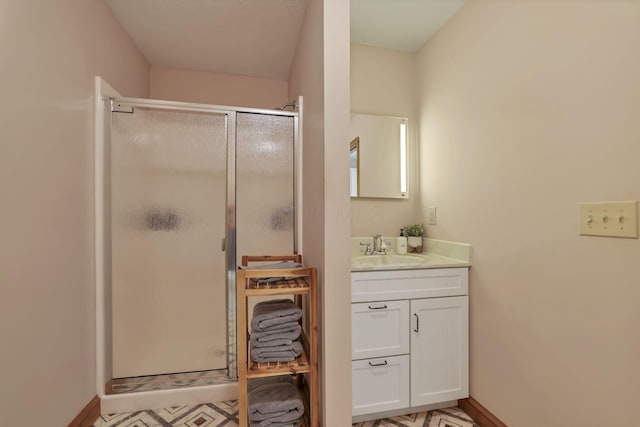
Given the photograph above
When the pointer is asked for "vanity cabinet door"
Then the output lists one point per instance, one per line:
(380, 384)
(379, 329)
(439, 349)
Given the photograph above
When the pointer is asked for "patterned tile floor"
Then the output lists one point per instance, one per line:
(448, 417)
(204, 415)
(226, 414)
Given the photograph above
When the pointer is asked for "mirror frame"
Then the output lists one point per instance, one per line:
(354, 146)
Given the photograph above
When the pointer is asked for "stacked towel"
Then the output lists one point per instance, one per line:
(280, 353)
(275, 331)
(275, 266)
(276, 337)
(274, 402)
(275, 314)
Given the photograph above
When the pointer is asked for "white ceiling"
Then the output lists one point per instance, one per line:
(247, 37)
(258, 37)
(399, 24)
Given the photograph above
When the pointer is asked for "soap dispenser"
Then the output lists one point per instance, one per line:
(402, 243)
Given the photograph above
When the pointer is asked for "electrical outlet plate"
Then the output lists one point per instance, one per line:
(609, 219)
(431, 214)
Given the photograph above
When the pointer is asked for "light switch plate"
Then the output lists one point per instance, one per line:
(610, 219)
(431, 214)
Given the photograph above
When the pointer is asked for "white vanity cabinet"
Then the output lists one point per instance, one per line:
(410, 338)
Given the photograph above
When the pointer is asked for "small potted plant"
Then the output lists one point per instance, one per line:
(414, 237)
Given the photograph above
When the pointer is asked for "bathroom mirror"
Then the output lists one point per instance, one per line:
(378, 156)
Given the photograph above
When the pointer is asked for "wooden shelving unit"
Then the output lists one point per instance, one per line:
(302, 284)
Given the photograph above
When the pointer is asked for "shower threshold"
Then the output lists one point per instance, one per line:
(169, 381)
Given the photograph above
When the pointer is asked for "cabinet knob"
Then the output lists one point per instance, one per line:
(417, 329)
(378, 364)
(378, 308)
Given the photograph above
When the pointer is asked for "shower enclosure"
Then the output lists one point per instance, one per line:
(189, 188)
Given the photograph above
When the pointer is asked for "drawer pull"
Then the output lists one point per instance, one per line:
(378, 308)
(417, 329)
(379, 364)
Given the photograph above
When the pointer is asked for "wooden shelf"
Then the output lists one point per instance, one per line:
(288, 285)
(299, 365)
(301, 283)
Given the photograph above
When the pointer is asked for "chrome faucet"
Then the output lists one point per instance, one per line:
(379, 246)
(367, 250)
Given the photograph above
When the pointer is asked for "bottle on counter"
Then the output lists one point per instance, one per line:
(402, 243)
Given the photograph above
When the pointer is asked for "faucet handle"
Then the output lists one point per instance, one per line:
(368, 250)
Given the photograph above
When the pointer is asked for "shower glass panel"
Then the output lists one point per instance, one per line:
(168, 207)
(264, 184)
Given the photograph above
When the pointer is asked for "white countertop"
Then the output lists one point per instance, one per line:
(439, 254)
(428, 261)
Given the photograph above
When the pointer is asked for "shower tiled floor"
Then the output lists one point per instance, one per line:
(226, 414)
(169, 381)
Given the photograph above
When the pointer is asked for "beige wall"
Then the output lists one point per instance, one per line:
(320, 73)
(306, 79)
(529, 108)
(337, 221)
(216, 88)
(383, 82)
(51, 51)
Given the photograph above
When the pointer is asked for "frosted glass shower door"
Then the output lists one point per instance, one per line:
(168, 205)
(264, 184)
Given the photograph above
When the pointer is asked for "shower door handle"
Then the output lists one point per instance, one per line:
(224, 244)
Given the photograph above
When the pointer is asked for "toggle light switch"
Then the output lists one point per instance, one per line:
(610, 219)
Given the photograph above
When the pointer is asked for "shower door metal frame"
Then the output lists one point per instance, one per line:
(229, 243)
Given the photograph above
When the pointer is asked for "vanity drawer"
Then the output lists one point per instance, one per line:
(408, 284)
(380, 384)
(379, 329)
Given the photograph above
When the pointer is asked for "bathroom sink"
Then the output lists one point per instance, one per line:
(386, 260)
